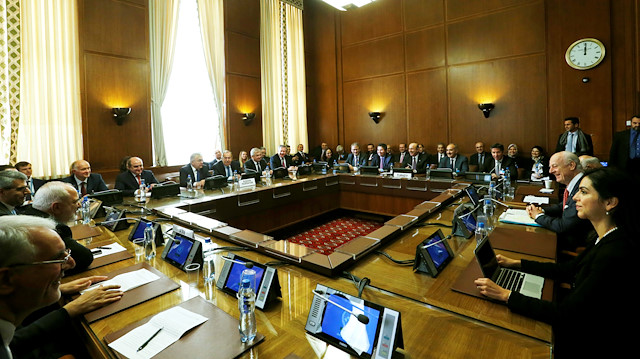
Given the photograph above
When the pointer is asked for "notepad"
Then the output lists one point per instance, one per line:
(174, 322)
(536, 199)
(127, 281)
(108, 249)
(517, 216)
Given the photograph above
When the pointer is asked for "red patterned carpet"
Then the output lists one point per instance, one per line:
(327, 237)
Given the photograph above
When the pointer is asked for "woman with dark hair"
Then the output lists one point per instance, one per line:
(328, 157)
(590, 321)
(537, 166)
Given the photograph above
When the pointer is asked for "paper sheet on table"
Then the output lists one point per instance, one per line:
(174, 323)
(517, 216)
(536, 199)
(127, 281)
(107, 249)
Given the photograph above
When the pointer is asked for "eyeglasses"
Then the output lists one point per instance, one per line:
(62, 261)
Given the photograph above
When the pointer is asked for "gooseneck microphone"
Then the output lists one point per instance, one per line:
(361, 317)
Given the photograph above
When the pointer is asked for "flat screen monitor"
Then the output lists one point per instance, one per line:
(372, 170)
(179, 250)
(433, 254)
(137, 232)
(478, 177)
(441, 173)
(232, 280)
(472, 192)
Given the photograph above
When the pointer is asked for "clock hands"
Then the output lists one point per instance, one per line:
(585, 49)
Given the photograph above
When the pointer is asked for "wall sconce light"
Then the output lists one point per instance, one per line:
(248, 117)
(121, 114)
(375, 116)
(486, 108)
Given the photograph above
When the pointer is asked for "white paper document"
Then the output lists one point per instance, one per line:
(536, 199)
(169, 325)
(517, 216)
(107, 249)
(127, 281)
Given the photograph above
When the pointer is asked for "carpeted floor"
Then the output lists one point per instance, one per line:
(327, 237)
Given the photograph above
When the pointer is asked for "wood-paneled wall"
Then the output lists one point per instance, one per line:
(427, 64)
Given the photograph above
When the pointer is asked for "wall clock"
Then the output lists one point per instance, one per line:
(585, 54)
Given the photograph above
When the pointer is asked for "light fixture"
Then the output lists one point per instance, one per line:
(375, 116)
(344, 5)
(486, 108)
(121, 114)
(248, 117)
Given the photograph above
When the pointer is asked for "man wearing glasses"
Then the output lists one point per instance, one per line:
(32, 263)
(13, 189)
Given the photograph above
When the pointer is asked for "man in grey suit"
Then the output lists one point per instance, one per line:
(13, 190)
(459, 164)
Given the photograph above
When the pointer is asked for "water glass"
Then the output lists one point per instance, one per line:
(193, 274)
(138, 246)
(209, 269)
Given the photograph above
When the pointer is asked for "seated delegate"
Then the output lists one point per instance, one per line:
(589, 322)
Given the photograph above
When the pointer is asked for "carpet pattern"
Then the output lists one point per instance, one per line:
(327, 237)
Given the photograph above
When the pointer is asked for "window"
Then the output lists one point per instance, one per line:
(189, 114)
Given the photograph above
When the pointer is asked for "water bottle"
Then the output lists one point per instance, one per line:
(189, 184)
(236, 183)
(492, 190)
(247, 306)
(267, 175)
(488, 212)
(86, 211)
(149, 242)
(507, 180)
(142, 192)
(481, 232)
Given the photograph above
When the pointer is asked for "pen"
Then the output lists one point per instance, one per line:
(103, 247)
(148, 340)
(96, 252)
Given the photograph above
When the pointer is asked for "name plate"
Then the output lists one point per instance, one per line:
(247, 182)
(402, 175)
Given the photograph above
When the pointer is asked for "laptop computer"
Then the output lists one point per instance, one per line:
(514, 280)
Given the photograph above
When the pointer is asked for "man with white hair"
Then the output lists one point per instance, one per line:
(59, 201)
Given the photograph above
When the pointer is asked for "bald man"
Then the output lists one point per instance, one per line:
(129, 181)
(83, 180)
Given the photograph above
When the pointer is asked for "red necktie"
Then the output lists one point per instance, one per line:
(83, 189)
(564, 198)
(139, 180)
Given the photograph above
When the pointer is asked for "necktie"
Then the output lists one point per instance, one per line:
(565, 197)
(228, 171)
(284, 164)
(139, 179)
(355, 161)
(453, 163)
(570, 142)
(401, 157)
(258, 167)
(413, 163)
(83, 189)
(498, 167)
(31, 191)
(480, 159)
(197, 176)
(381, 163)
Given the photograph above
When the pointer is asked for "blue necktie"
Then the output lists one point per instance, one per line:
(228, 171)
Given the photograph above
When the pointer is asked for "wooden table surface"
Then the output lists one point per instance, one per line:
(436, 322)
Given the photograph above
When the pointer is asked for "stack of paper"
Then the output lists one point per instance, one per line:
(536, 199)
(127, 281)
(517, 216)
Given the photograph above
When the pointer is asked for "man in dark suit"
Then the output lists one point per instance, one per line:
(318, 153)
(573, 139)
(459, 164)
(355, 158)
(227, 167)
(33, 183)
(13, 191)
(129, 181)
(280, 162)
(370, 154)
(441, 152)
(415, 160)
(625, 148)
(563, 218)
(402, 153)
(59, 201)
(382, 160)
(196, 169)
(481, 159)
(300, 157)
(256, 163)
(501, 163)
(218, 158)
(83, 180)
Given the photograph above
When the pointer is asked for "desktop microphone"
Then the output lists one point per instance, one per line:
(247, 265)
(361, 317)
(495, 200)
(434, 243)
(112, 221)
(246, 170)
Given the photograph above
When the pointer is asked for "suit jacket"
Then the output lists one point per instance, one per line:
(590, 306)
(396, 156)
(528, 167)
(486, 165)
(250, 165)
(4, 211)
(387, 162)
(585, 148)
(507, 162)
(299, 158)
(220, 170)
(619, 153)
(95, 183)
(421, 163)
(47, 333)
(80, 254)
(128, 183)
(275, 162)
(461, 164)
(186, 170)
(362, 158)
(3, 353)
(572, 231)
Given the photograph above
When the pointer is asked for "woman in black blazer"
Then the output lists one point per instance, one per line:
(537, 166)
(328, 157)
(590, 320)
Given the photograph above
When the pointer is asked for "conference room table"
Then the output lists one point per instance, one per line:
(436, 321)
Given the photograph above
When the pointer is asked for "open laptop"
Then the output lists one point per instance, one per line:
(514, 280)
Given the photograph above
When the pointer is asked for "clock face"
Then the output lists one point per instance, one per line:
(585, 54)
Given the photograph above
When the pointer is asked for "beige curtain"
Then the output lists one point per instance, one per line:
(163, 21)
(50, 127)
(211, 14)
(284, 112)
(9, 78)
